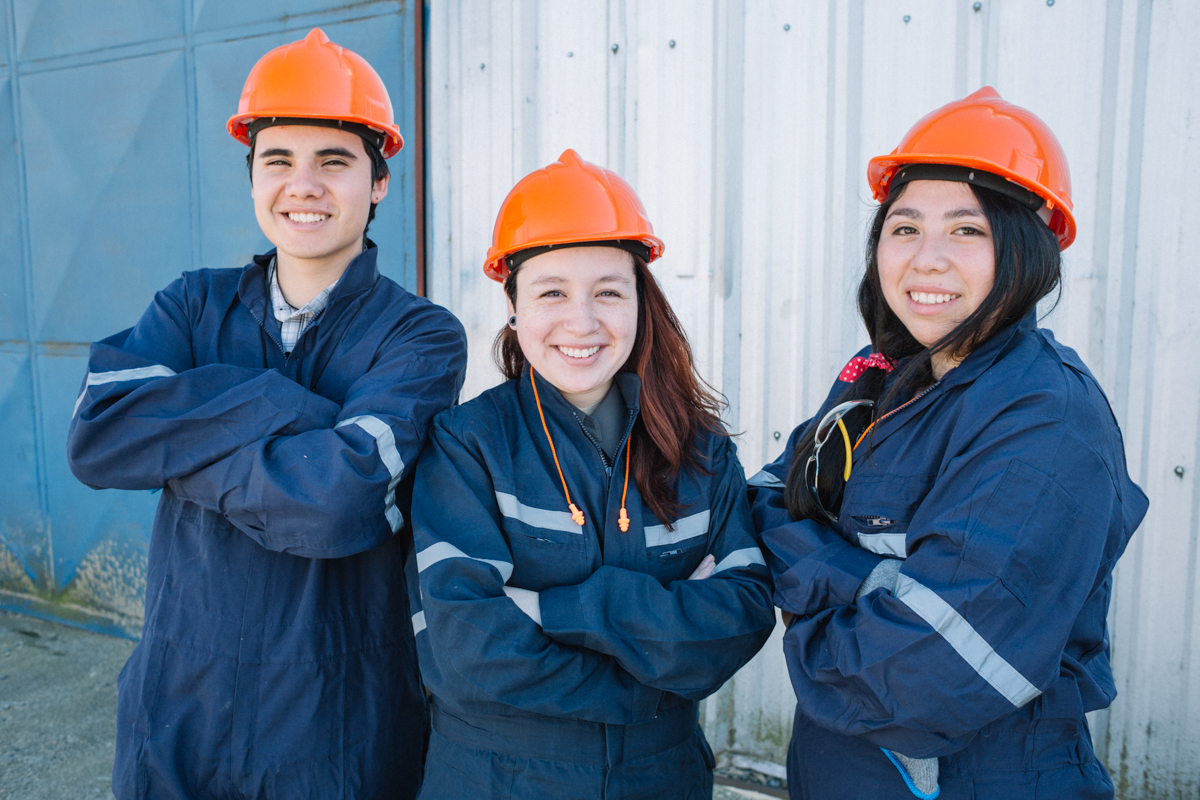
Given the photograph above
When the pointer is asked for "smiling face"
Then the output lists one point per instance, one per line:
(936, 260)
(577, 311)
(312, 192)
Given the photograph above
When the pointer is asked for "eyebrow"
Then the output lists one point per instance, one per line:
(614, 278)
(328, 151)
(958, 213)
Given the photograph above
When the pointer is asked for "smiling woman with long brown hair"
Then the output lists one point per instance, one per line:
(587, 563)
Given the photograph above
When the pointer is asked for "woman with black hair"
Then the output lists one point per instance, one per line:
(943, 531)
(588, 564)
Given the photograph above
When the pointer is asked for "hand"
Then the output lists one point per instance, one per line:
(704, 569)
(527, 601)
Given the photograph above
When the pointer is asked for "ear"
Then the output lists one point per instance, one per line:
(379, 189)
(511, 309)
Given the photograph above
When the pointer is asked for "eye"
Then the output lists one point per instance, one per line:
(277, 162)
(552, 293)
(610, 293)
(904, 229)
(970, 230)
(335, 162)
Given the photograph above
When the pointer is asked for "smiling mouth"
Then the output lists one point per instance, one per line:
(576, 352)
(306, 217)
(931, 299)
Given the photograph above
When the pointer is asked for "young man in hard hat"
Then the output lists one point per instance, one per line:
(280, 408)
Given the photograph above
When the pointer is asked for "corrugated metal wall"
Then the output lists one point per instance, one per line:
(746, 126)
(116, 176)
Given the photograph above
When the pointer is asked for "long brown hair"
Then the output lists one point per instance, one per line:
(676, 403)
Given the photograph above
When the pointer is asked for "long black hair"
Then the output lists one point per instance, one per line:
(1028, 268)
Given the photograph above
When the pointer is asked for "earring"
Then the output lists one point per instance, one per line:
(512, 320)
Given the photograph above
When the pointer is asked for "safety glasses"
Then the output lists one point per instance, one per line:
(829, 423)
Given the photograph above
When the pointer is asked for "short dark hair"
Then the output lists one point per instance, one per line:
(1028, 268)
(379, 169)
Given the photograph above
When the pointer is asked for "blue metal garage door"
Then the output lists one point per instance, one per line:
(119, 177)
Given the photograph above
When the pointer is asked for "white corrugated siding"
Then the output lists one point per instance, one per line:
(748, 142)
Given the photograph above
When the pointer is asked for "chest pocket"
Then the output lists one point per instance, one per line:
(673, 554)
(877, 510)
(548, 548)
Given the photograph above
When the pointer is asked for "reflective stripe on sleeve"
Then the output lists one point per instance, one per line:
(117, 376)
(966, 641)
(686, 528)
(740, 558)
(418, 622)
(884, 544)
(765, 480)
(385, 442)
(444, 550)
(513, 508)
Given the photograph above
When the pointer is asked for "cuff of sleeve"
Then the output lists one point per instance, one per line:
(564, 618)
(828, 577)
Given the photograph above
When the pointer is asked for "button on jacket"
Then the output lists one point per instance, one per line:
(277, 659)
(1005, 490)
(600, 701)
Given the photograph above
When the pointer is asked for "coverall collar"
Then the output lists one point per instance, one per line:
(628, 383)
(359, 277)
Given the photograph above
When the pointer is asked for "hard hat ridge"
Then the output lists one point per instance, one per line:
(983, 132)
(316, 79)
(569, 202)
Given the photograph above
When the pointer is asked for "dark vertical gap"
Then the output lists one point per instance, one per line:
(419, 183)
(46, 580)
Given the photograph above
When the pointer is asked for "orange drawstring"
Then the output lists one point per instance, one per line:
(623, 520)
(576, 514)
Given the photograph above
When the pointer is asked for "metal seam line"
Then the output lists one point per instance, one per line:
(440, 551)
(686, 528)
(966, 641)
(513, 508)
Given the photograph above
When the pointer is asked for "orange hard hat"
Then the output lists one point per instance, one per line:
(568, 202)
(983, 132)
(313, 78)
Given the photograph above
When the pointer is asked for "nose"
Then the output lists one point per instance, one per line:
(303, 182)
(932, 254)
(582, 319)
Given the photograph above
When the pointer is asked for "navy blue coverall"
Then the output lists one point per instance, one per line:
(1005, 490)
(277, 658)
(601, 700)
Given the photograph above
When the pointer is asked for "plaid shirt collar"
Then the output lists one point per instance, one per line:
(293, 321)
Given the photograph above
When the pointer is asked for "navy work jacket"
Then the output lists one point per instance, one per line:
(1005, 489)
(277, 659)
(624, 637)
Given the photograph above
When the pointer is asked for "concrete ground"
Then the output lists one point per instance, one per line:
(58, 701)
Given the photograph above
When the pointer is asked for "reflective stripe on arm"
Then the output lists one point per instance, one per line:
(418, 622)
(441, 551)
(686, 528)
(513, 508)
(765, 480)
(385, 441)
(966, 641)
(885, 544)
(740, 558)
(141, 373)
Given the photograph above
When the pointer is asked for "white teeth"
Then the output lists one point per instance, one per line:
(575, 352)
(294, 217)
(930, 299)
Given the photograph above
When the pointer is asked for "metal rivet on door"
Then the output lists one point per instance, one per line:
(616, 47)
(776, 435)
(1179, 471)
(671, 43)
